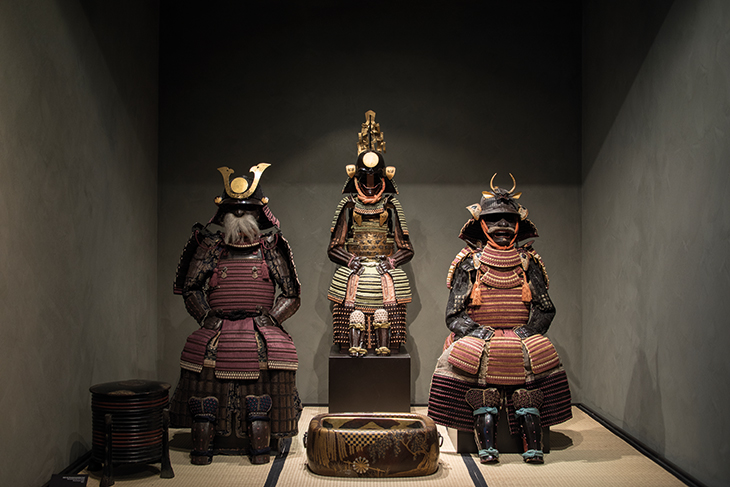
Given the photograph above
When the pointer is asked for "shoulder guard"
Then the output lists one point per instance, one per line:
(460, 257)
(200, 237)
(399, 213)
(535, 257)
(339, 209)
(275, 243)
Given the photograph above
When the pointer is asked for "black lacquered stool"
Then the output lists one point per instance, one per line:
(130, 425)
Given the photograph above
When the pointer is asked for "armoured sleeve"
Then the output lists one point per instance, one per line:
(196, 281)
(404, 252)
(336, 249)
(281, 266)
(457, 320)
(542, 310)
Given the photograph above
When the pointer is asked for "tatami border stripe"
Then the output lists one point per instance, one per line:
(278, 465)
(473, 469)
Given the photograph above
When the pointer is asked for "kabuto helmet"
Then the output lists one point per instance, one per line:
(244, 191)
(370, 172)
(497, 201)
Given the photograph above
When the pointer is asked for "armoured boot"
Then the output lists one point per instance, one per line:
(485, 403)
(382, 332)
(204, 411)
(259, 431)
(357, 334)
(527, 408)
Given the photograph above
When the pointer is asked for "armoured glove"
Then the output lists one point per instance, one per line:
(355, 263)
(385, 264)
(212, 322)
(265, 319)
(483, 332)
(462, 328)
(522, 332)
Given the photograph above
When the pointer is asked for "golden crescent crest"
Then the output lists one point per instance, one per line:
(239, 187)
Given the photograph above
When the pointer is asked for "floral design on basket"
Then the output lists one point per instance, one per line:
(361, 465)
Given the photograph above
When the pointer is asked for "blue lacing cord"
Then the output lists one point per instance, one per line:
(489, 451)
(532, 454)
(526, 411)
(485, 410)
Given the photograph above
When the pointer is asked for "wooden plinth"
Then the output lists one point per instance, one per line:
(369, 384)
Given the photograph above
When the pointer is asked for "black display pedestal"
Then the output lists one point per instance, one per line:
(506, 443)
(369, 384)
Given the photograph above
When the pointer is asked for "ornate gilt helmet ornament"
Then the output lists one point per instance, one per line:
(370, 160)
(498, 200)
(370, 137)
(243, 190)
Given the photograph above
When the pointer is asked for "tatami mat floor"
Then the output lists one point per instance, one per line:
(584, 453)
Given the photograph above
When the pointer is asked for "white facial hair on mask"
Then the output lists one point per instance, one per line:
(236, 228)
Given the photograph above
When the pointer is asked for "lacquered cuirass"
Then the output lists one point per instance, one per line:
(500, 279)
(370, 238)
(241, 284)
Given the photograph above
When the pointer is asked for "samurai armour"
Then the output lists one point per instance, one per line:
(241, 358)
(370, 237)
(239, 349)
(499, 298)
(368, 231)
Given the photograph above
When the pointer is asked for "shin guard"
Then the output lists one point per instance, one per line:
(485, 403)
(258, 422)
(204, 411)
(382, 332)
(527, 409)
(357, 332)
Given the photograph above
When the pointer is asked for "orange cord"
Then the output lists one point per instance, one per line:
(494, 244)
(368, 199)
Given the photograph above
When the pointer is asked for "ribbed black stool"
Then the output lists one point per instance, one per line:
(130, 425)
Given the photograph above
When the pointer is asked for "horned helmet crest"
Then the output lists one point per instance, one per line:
(498, 200)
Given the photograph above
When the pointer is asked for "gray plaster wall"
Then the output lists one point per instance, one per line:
(656, 226)
(461, 93)
(78, 211)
